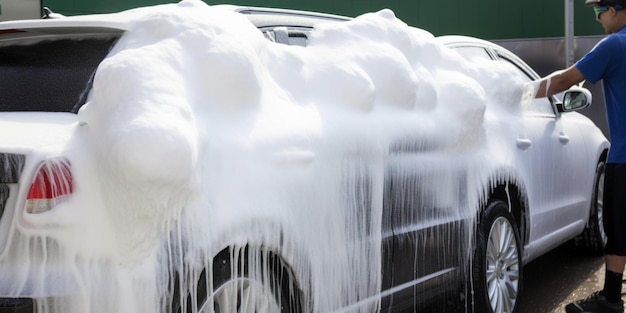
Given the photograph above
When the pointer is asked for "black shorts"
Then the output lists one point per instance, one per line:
(614, 209)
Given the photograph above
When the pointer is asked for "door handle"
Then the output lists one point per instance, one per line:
(563, 138)
(523, 144)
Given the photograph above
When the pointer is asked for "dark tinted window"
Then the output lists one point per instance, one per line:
(50, 75)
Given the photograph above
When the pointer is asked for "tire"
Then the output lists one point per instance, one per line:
(497, 263)
(593, 238)
(248, 281)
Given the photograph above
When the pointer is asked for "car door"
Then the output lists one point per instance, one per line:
(546, 151)
(542, 152)
(425, 203)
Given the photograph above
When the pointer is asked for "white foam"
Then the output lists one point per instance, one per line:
(200, 133)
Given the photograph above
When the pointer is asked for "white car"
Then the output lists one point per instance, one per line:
(405, 198)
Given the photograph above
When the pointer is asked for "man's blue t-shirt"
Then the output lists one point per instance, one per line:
(607, 61)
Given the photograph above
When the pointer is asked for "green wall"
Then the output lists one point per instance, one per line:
(488, 19)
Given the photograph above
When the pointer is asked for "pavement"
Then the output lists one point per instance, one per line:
(558, 278)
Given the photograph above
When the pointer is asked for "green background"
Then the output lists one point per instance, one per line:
(488, 19)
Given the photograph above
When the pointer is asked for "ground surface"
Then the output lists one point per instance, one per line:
(558, 278)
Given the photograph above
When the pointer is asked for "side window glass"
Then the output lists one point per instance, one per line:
(284, 35)
(538, 107)
(473, 54)
(269, 34)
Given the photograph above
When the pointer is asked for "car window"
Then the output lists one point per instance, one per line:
(473, 54)
(539, 106)
(290, 36)
(49, 75)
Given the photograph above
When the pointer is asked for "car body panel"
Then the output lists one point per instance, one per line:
(23, 130)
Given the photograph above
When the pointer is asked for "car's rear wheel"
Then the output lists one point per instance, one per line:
(497, 263)
(593, 238)
(248, 280)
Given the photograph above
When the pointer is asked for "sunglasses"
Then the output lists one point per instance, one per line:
(599, 9)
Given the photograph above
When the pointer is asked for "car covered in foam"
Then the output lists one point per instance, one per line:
(195, 158)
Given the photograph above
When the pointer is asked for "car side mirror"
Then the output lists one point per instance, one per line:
(576, 98)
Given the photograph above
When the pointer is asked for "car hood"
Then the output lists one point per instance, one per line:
(23, 132)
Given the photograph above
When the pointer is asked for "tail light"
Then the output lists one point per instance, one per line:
(51, 186)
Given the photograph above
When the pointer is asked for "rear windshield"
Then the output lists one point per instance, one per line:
(49, 75)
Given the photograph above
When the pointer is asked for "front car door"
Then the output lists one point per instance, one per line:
(543, 154)
(546, 156)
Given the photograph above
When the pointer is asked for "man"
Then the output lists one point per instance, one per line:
(606, 62)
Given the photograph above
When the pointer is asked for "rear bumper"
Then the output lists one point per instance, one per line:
(16, 305)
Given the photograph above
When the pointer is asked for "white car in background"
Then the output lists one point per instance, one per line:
(543, 191)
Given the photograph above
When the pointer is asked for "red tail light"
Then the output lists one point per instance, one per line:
(52, 185)
(10, 31)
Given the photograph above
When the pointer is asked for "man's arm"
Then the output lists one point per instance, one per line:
(559, 81)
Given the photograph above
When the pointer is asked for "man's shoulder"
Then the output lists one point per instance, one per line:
(617, 37)
(612, 42)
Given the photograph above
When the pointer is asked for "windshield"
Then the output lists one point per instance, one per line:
(49, 75)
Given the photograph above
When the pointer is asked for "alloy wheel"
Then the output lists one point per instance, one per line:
(502, 267)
